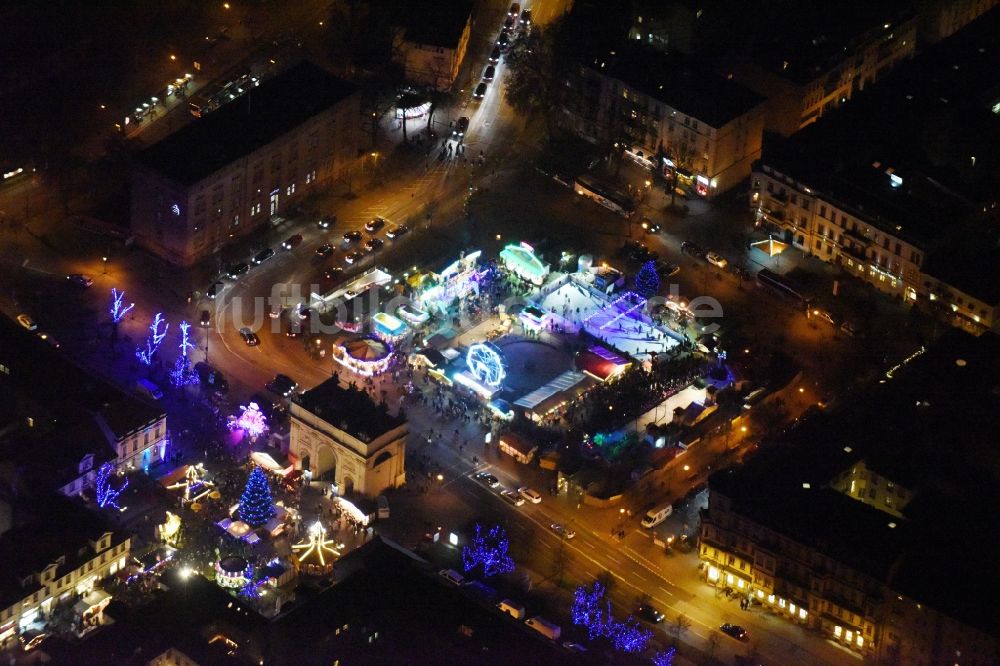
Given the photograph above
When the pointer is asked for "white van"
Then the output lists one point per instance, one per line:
(452, 577)
(148, 389)
(545, 627)
(512, 608)
(654, 517)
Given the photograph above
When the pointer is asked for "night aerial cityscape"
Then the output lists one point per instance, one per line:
(483, 332)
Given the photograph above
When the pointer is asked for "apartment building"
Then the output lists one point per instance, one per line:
(708, 130)
(227, 174)
(861, 526)
(432, 43)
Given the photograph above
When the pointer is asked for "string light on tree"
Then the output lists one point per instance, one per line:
(182, 373)
(629, 636)
(489, 551)
(118, 309)
(647, 282)
(591, 610)
(665, 658)
(256, 506)
(251, 420)
(106, 494)
(153, 340)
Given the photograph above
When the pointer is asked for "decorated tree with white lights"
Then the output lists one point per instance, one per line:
(256, 506)
(183, 374)
(157, 331)
(117, 309)
(251, 420)
(107, 495)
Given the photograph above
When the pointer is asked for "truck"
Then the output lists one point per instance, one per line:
(546, 628)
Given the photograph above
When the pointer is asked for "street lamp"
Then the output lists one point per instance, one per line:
(104, 261)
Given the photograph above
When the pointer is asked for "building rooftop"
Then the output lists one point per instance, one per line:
(350, 409)
(969, 262)
(677, 81)
(254, 120)
(437, 23)
(51, 378)
(930, 427)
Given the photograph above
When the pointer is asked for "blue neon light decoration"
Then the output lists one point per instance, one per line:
(154, 340)
(106, 494)
(591, 610)
(118, 309)
(485, 363)
(489, 551)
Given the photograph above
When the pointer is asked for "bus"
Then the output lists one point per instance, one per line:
(605, 194)
(782, 286)
(217, 93)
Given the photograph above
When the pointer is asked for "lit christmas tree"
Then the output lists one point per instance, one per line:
(488, 550)
(256, 505)
(665, 658)
(647, 282)
(629, 636)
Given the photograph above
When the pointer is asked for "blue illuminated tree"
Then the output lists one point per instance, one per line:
(665, 658)
(183, 374)
(647, 282)
(256, 506)
(489, 551)
(146, 353)
(629, 635)
(106, 495)
(118, 309)
(591, 610)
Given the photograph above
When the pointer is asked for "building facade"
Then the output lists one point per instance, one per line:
(707, 130)
(432, 46)
(340, 435)
(227, 174)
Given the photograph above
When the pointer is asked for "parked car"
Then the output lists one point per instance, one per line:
(213, 291)
(42, 335)
(354, 257)
(249, 337)
(283, 385)
(503, 41)
(651, 227)
(80, 280)
(649, 614)
(495, 55)
(488, 479)
(374, 244)
(489, 73)
(352, 237)
(31, 639)
(513, 497)
(211, 378)
(461, 126)
(276, 310)
(326, 222)
(291, 242)
(508, 23)
(515, 9)
(824, 315)
(852, 330)
(206, 318)
(452, 577)
(334, 273)
(572, 646)
(716, 259)
(736, 631)
(562, 530)
(693, 249)
(26, 321)
(237, 270)
(324, 250)
(294, 329)
(263, 256)
(480, 91)
(532, 496)
(397, 231)
(374, 224)
(663, 269)
(526, 18)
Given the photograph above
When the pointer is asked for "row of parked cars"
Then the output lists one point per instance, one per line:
(516, 20)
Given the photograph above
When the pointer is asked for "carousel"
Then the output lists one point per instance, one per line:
(232, 572)
(366, 356)
(316, 554)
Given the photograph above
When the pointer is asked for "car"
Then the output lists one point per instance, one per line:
(526, 18)
(334, 273)
(354, 257)
(693, 249)
(80, 280)
(572, 646)
(532, 496)
(31, 639)
(374, 224)
(503, 41)
(213, 291)
(495, 55)
(249, 337)
(515, 9)
(735, 630)
(291, 242)
(26, 321)
(324, 250)
(823, 315)
(480, 91)
(487, 479)
(276, 310)
(649, 614)
(489, 73)
(852, 330)
(282, 385)
(294, 328)
(452, 577)
(352, 237)
(42, 335)
(461, 126)
(374, 244)
(206, 318)
(651, 227)
(562, 530)
(716, 259)
(663, 269)
(397, 231)
(512, 496)
(263, 256)
(508, 23)
(326, 222)
(237, 270)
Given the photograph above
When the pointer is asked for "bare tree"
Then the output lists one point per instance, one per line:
(681, 624)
